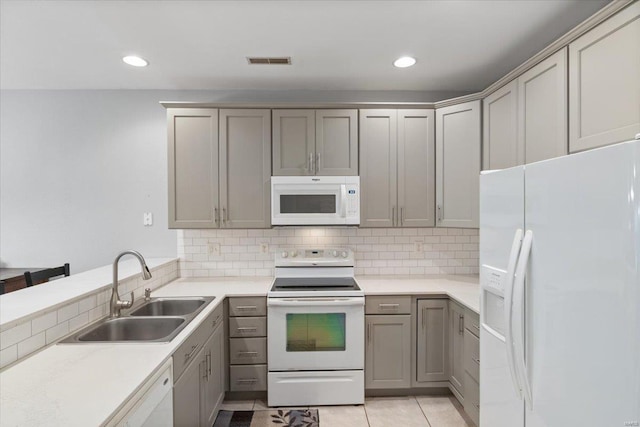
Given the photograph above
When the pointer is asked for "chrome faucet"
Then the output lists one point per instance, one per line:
(116, 303)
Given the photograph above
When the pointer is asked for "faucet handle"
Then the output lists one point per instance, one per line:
(130, 303)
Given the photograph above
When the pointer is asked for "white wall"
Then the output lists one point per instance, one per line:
(79, 168)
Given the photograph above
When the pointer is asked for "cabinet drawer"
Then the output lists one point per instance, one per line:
(190, 347)
(472, 321)
(247, 351)
(388, 304)
(248, 378)
(247, 327)
(472, 355)
(472, 399)
(253, 306)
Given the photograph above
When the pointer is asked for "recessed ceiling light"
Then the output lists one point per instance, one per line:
(135, 61)
(404, 62)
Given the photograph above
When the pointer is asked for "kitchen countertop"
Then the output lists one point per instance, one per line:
(61, 384)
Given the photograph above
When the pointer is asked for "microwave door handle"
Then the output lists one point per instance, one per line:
(343, 205)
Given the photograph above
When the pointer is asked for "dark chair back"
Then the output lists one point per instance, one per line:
(45, 275)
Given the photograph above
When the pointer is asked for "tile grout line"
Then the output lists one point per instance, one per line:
(364, 406)
(422, 410)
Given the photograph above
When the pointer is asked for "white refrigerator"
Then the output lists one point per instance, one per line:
(560, 291)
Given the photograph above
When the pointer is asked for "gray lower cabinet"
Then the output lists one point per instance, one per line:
(397, 168)
(388, 351)
(247, 344)
(456, 347)
(315, 142)
(432, 340)
(200, 387)
(219, 168)
(472, 365)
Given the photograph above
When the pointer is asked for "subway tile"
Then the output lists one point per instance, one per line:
(57, 332)
(14, 335)
(44, 322)
(31, 344)
(8, 355)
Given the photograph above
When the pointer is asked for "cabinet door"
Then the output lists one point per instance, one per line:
(193, 167)
(458, 165)
(604, 82)
(542, 109)
(432, 344)
(245, 168)
(378, 163)
(336, 142)
(388, 351)
(456, 346)
(416, 168)
(187, 402)
(500, 126)
(214, 378)
(294, 141)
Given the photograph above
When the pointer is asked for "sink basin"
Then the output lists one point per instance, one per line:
(157, 320)
(169, 307)
(133, 329)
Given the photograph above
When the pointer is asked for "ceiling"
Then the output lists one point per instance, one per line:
(335, 45)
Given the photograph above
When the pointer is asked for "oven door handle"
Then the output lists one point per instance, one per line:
(307, 302)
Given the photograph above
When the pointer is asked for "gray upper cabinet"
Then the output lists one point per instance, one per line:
(315, 142)
(604, 82)
(397, 168)
(378, 168)
(500, 129)
(219, 168)
(458, 165)
(432, 342)
(416, 168)
(245, 168)
(542, 109)
(193, 167)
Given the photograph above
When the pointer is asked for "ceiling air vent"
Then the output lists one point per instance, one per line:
(284, 60)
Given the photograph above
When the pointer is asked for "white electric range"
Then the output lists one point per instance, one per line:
(315, 316)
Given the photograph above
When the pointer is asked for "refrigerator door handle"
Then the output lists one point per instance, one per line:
(519, 299)
(508, 304)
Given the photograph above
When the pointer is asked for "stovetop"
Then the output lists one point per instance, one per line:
(310, 284)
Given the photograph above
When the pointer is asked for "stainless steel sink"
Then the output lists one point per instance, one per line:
(157, 320)
(133, 329)
(169, 307)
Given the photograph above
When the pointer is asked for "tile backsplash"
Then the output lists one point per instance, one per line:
(378, 251)
(45, 328)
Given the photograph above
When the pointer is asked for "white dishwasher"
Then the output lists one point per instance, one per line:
(154, 408)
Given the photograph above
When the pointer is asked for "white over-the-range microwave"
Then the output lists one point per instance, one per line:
(315, 200)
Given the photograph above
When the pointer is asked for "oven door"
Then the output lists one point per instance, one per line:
(315, 333)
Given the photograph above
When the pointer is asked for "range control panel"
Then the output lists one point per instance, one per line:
(325, 257)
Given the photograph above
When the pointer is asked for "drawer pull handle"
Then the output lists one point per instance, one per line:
(389, 306)
(475, 326)
(476, 360)
(246, 307)
(477, 406)
(247, 354)
(252, 329)
(189, 355)
(247, 381)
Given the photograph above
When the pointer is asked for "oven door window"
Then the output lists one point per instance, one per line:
(315, 332)
(308, 203)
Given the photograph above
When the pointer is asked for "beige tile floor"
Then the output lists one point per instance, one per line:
(406, 411)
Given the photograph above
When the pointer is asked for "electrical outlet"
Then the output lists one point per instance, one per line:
(147, 219)
(264, 247)
(418, 246)
(214, 248)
